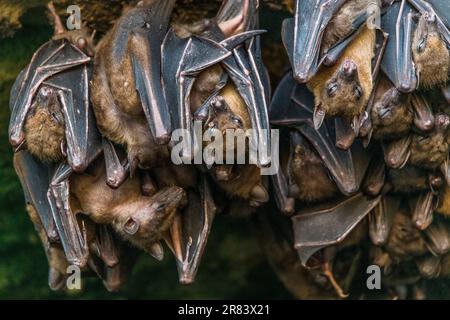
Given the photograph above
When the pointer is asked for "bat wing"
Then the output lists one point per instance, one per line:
(82, 136)
(302, 36)
(380, 219)
(35, 179)
(146, 60)
(318, 228)
(397, 62)
(250, 77)
(53, 57)
(347, 167)
(441, 10)
(179, 78)
(193, 227)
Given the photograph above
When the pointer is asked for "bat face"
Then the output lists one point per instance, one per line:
(391, 112)
(431, 150)
(430, 53)
(343, 92)
(147, 224)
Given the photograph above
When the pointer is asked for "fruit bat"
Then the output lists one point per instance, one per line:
(320, 31)
(292, 106)
(127, 89)
(51, 118)
(417, 52)
(239, 55)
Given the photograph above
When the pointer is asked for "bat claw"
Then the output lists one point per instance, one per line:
(318, 117)
(156, 251)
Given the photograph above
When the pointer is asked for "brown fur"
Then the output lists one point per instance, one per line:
(311, 176)
(405, 240)
(429, 152)
(44, 135)
(444, 205)
(341, 24)
(409, 179)
(433, 63)
(117, 106)
(399, 119)
(115, 206)
(345, 103)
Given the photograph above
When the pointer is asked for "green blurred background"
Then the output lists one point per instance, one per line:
(233, 265)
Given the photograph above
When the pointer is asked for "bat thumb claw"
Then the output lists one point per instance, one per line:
(318, 117)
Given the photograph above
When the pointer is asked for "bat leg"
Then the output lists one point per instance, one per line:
(375, 177)
(380, 219)
(423, 115)
(328, 273)
(189, 233)
(397, 153)
(345, 135)
(422, 210)
(72, 238)
(115, 171)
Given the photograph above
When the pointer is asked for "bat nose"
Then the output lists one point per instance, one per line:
(349, 69)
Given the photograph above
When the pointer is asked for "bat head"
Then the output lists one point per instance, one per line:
(392, 106)
(430, 52)
(343, 92)
(145, 224)
(45, 127)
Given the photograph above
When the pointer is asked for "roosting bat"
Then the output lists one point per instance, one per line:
(417, 54)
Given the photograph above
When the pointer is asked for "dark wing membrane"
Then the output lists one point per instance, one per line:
(439, 8)
(82, 136)
(35, 180)
(146, 59)
(311, 19)
(53, 57)
(322, 227)
(397, 62)
(283, 111)
(195, 225)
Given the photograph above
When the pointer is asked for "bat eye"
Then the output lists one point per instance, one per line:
(131, 226)
(237, 121)
(422, 44)
(332, 89)
(158, 206)
(358, 92)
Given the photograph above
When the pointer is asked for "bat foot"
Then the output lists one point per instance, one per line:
(330, 276)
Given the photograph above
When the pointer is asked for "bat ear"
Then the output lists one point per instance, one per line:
(233, 17)
(131, 226)
(58, 25)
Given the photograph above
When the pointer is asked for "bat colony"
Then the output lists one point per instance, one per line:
(363, 115)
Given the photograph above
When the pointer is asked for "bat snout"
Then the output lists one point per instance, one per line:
(349, 69)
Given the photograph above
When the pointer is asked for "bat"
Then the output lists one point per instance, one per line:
(52, 119)
(347, 168)
(381, 219)
(417, 53)
(232, 42)
(320, 31)
(127, 87)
